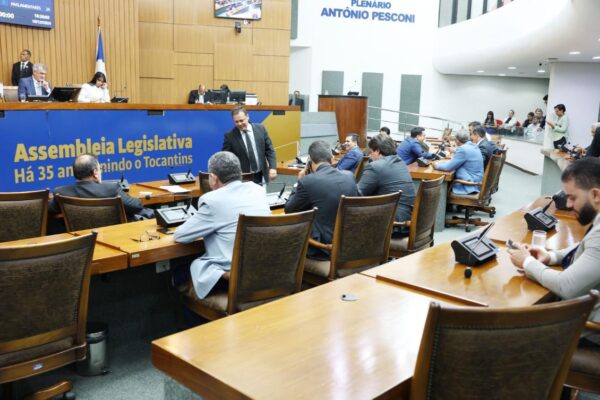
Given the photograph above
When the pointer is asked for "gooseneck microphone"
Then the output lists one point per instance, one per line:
(468, 270)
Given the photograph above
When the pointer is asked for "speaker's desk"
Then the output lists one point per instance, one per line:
(311, 345)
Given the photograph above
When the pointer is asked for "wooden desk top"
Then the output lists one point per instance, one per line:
(496, 283)
(105, 258)
(311, 345)
(125, 237)
(194, 188)
(150, 195)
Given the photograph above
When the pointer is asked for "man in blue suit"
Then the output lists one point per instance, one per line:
(35, 85)
(352, 158)
(467, 162)
(411, 148)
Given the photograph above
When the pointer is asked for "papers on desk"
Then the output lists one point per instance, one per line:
(175, 189)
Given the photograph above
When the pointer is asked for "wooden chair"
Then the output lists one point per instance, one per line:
(267, 264)
(584, 371)
(83, 213)
(44, 292)
(478, 201)
(205, 187)
(23, 214)
(360, 168)
(422, 222)
(361, 238)
(498, 353)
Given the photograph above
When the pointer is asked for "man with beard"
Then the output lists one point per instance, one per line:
(580, 262)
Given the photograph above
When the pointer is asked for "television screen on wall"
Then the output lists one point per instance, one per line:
(238, 9)
(38, 13)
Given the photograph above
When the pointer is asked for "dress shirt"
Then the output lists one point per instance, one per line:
(93, 94)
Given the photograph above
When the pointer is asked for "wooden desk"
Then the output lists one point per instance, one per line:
(125, 238)
(105, 258)
(311, 345)
(194, 188)
(150, 195)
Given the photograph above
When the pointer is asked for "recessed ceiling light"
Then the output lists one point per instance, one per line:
(501, 74)
(574, 53)
(541, 71)
(480, 71)
(512, 67)
(596, 58)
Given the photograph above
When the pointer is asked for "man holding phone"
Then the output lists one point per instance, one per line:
(35, 85)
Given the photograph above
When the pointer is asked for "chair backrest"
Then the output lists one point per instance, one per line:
(502, 152)
(44, 292)
(268, 257)
(11, 93)
(360, 168)
(455, 360)
(23, 214)
(205, 187)
(81, 213)
(422, 225)
(491, 177)
(362, 232)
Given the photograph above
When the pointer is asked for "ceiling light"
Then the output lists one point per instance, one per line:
(512, 67)
(541, 71)
(501, 74)
(574, 53)
(480, 71)
(596, 58)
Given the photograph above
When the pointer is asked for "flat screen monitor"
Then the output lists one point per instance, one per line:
(38, 98)
(237, 96)
(218, 96)
(62, 94)
(36, 13)
(239, 9)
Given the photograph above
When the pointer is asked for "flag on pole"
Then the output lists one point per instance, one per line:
(100, 66)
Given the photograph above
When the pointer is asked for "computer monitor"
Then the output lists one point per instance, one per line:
(237, 96)
(63, 94)
(218, 96)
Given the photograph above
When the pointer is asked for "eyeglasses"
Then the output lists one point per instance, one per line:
(146, 236)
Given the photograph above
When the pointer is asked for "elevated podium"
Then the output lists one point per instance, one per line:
(350, 115)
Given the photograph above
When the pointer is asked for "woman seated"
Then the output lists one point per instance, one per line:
(490, 123)
(95, 91)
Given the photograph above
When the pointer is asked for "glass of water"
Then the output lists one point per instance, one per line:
(538, 239)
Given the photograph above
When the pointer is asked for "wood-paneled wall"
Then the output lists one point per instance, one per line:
(182, 44)
(69, 49)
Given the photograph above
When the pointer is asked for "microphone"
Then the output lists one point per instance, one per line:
(281, 192)
(296, 142)
(189, 174)
(122, 177)
(548, 205)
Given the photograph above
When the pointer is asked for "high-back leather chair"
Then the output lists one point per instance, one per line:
(267, 264)
(498, 353)
(360, 168)
(205, 187)
(361, 238)
(584, 371)
(422, 222)
(44, 292)
(86, 213)
(480, 200)
(23, 214)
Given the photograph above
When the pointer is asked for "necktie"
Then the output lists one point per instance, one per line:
(22, 67)
(568, 259)
(251, 154)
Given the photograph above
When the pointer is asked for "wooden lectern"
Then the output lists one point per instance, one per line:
(350, 115)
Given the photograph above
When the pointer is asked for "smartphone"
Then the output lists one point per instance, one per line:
(511, 244)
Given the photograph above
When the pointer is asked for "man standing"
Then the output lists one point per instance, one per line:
(320, 185)
(467, 162)
(559, 129)
(23, 68)
(35, 85)
(386, 174)
(297, 100)
(217, 218)
(353, 155)
(88, 172)
(252, 145)
(580, 262)
(200, 96)
(486, 147)
(411, 149)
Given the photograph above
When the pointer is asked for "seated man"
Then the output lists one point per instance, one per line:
(217, 218)
(486, 147)
(580, 262)
(320, 185)
(35, 85)
(411, 148)
(200, 96)
(353, 156)
(467, 162)
(88, 172)
(386, 174)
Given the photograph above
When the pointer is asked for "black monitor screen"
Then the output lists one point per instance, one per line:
(218, 96)
(63, 94)
(238, 96)
(238, 9)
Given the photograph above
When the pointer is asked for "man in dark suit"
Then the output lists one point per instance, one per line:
(320, 185)
(252, 145)
(35, 85)
(200, 96)
(297, 100)
(488, 149)
(23, 68)
(88, 173)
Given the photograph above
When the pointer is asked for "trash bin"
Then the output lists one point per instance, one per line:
(96, 361)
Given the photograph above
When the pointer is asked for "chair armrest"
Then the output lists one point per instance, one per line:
(226, 275)
(402, 224)
(595, 326)
(466, 182)
(319, 245)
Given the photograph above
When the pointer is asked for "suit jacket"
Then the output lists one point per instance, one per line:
(216, 221)
(582, 275)
(90, 189)
(322, 189)
(350, 160)
(297, 102)
(27, 87)
(388, 175)
(468, 164)
(194, 97)
(234, 143)
(411, 149)
(16, 72)
(487, 148)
